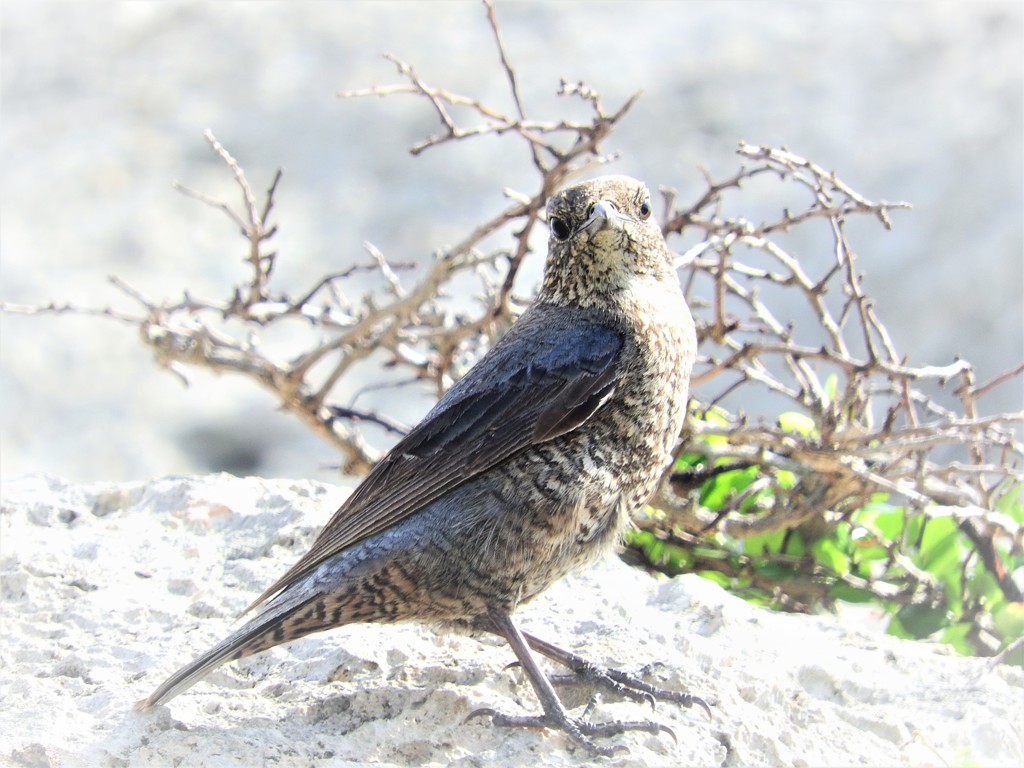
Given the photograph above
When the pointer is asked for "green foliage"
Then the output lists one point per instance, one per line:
(920, 567)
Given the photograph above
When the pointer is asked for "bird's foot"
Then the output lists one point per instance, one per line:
(621, 683)
(579, 729)
(626, 685)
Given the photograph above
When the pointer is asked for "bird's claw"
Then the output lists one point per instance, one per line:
(628, 686)
(608, 684)
(482, 712)
(578, 729)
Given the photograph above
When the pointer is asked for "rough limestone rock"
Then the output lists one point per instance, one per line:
(108, 587)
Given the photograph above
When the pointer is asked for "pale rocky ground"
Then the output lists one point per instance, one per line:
(108, 587)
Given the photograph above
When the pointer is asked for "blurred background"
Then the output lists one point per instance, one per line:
(103, 105)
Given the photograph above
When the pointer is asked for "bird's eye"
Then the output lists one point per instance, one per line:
(645, 210)
(558, 228)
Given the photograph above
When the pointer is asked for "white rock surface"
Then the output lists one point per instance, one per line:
(108, 587)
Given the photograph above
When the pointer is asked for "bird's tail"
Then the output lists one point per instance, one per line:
(283, 619)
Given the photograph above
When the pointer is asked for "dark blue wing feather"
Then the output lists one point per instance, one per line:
(546, 377)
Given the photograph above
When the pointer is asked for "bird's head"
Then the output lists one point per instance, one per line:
(603, 237)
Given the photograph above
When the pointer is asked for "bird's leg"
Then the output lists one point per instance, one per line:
(555, 715)
(615, 680)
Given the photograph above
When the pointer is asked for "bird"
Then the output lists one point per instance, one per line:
(526, 470)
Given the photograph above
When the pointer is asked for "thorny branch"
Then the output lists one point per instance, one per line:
(875, 421)
(873, 409)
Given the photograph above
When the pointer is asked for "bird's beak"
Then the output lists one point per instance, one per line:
(604, 215)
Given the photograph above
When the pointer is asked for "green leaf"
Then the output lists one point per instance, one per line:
(850, 594)
(795, 544)
(679, 558)
(981, 583)
(716, 417)
(655, 550)
(831, 384)
(885, 519)
(956, 636)
(890, 523)
(776, 571)
(755, 500)
(709, 553)
(841, 536)
(863, 553)
(868, 562)
(794, 421)
(717, 491)
(940, 546)
(785, 479)
(716, 576)
(828, 553)
(912, 530)
(920, 621)
(1009, 621)
(688, 460)
(763, 543)
(637, 537)
(896, 629)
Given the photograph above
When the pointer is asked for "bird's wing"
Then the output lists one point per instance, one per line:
(546, 377)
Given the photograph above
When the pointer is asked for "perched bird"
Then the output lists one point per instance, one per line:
(526, 470)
